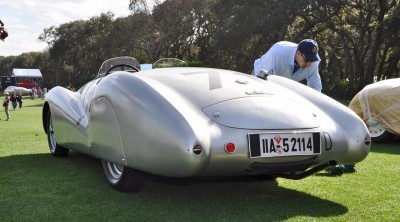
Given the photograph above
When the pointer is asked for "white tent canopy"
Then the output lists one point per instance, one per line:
(30, 73)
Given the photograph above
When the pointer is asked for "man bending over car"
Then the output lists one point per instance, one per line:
(293, 61)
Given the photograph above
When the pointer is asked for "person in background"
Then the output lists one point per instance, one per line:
(40, 92)
(19, 100)
(31, 93)
(35, 93)
(5, 105)
(293, 61)
(44, 92)
(13, 100)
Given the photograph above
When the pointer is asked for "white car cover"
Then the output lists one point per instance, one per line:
(379, 102)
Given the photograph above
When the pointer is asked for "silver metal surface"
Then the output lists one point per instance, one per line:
(151, 120)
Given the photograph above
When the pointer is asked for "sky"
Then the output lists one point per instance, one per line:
(25, 20)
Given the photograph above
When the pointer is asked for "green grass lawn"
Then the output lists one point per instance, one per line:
(34, 186)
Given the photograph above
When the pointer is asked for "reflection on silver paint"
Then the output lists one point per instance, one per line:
(241, 81)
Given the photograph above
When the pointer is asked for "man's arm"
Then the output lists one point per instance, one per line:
(314, 79)
(265, 63)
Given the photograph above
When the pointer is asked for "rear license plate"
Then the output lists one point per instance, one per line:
(284, 144)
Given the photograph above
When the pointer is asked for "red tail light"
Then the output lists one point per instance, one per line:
(230, 147)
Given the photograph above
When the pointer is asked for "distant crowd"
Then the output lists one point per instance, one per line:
(14, 99)
(17, 100)
(38, 92)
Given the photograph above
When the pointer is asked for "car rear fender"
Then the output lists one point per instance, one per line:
(158, 127)
(355, 140)
(104, 134)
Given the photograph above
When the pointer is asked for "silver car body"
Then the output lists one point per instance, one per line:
(153, 121)
(17, 90)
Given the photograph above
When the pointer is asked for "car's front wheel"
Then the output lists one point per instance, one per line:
(122, 178)
(55, 149)
(379, 134)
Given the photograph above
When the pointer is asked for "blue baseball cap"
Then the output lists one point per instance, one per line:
(309, 48)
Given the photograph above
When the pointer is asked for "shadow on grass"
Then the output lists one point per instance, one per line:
(77, 183)
(36, 105)
(392, 147)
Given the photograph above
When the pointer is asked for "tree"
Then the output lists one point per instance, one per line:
(6, 65)
(358, 38)
(169, 31)
(241, 31)
(357, 44)
(69, 45)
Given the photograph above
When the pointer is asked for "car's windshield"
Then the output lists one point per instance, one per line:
(169, 62)
(123, 64)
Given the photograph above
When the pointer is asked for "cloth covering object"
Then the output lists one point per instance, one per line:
(379, 103)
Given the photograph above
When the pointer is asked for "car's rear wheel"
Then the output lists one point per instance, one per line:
(379, 134)
(122, 178)
(55, 149)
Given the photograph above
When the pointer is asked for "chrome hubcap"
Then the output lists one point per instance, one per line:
(115, 170)
(376, 130)
(52, 139)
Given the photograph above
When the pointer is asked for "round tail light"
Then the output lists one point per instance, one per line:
(197, 149)
(230, 147)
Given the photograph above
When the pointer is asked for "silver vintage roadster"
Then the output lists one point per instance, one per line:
(194, 122)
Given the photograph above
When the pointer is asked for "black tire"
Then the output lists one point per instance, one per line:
(55, 149)
(379, 134)
(122, 178)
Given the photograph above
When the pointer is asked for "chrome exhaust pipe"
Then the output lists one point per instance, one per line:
(298, 176)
